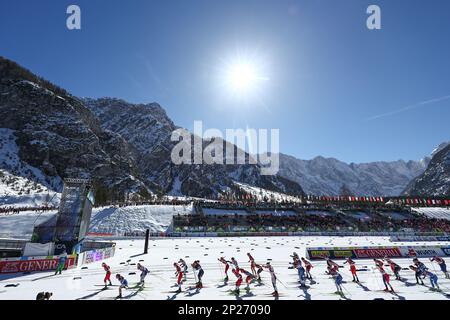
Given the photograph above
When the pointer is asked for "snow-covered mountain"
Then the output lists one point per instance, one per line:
(147, 129)
(51, 135)
(327, 176)
(20, 182)
(435, 181)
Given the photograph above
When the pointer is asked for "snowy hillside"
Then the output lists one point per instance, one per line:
(261, 194)
(59, 136)
(20, 183)
(135, 218)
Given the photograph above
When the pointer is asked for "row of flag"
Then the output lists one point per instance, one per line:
(406, 201)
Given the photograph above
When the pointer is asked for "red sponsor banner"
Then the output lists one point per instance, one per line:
(377, 253)
(15, 266)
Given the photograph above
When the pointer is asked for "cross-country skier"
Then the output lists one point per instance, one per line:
(248, 277)
(294, 256)
(433, 279)
(308, 267)
(258, 272)
(273, 276)
(123, 284)
(334, 272)
(238, 281)
(61, 263)
(252, 263)
(197, 267)
(179, 275)
(442, 265)
(352, 265)
(107, 279)
(144, 271)
(395, 268)
(385, 276)
(235, 263)
(420, 269)
(301, 272)
(184, 267)
(331, 265)
(227, 267)
(378, 263)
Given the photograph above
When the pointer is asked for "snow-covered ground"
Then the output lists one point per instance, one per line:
(104, 220)
(260, 193)
(439, 213)
(135, 218)
(87, 283)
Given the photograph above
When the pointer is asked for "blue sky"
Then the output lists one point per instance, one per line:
(333, 87)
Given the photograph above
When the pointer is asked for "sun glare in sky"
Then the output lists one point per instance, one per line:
(244, 76)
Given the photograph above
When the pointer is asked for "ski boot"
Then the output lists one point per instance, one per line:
(275, 293)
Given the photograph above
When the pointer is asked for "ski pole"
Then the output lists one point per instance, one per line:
(221, 271)
(195, 275)
(346, 290)
(282, 283)
(376, 278)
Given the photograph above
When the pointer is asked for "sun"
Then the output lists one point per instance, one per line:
(242, 76)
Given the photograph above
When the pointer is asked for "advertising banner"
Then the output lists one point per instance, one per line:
(96, 255)
(377, 252)
(33, 264)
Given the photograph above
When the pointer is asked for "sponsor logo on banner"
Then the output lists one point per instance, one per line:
(446, 251)
(377, 253)
(342, 253)
(32, 265)
(421, 251)
(319, 254)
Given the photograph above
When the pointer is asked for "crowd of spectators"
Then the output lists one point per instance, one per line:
(10, 210)
(302, 221)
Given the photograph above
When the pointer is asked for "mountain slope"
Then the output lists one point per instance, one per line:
(327, 176)
(56, 134)
(147, 129)
(435, 181)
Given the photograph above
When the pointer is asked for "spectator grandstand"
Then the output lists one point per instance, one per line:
(218, 218)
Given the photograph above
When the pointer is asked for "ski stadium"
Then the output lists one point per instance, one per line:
(164, 235)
